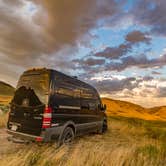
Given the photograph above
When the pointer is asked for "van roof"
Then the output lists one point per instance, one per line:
(40, 70)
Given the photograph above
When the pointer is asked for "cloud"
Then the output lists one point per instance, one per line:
(13, 2)
(161, 92)
(128, 87)
(114, 52)
(67, 23)
(90, 62)
(140, 61)
(114, 85)
(131, 39)
(156, 73)
(52, 30)
(147, 91)
(151, 13)
(19, 36)
(137, 37)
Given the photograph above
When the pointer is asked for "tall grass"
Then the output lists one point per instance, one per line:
(126, 143)
(4, 115)
(3, 120)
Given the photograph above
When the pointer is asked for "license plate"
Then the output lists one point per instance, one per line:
(14, 127)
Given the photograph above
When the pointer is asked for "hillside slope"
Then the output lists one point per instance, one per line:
(158, 111)
(6, 92)
(6, 89)
(127, 109)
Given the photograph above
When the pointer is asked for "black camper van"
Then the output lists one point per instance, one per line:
(49, 105)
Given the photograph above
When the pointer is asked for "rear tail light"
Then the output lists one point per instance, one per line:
(47, 116)
(39, 139)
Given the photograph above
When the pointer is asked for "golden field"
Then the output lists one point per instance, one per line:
(128, 142)
(3, 120)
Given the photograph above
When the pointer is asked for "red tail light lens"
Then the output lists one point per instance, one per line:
(39, 139)
(47, 116)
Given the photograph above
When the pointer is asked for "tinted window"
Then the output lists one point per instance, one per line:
(33, 86)
(64, 93)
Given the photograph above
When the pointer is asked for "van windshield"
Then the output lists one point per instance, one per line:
(32, 89)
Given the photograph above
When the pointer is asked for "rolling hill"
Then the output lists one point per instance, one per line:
(127, 109)
(6, 92)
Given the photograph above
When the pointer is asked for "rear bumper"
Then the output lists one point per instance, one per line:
(27, 137)
(48, 135)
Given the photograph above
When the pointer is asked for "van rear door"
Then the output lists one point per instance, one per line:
(29, 102)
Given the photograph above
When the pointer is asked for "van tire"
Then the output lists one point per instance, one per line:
(67, 136)
(103, 128)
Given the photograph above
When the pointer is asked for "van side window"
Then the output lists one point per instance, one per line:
(92, 106)
(65, 94)
(86, 93)
(65, 91)
(84, 104)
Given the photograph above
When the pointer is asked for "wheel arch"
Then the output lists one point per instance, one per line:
(67, 124)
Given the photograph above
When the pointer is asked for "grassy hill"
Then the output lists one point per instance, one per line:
(127, 109)
(6, 92)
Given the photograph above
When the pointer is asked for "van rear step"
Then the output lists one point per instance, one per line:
(18, 140)
(23, 136)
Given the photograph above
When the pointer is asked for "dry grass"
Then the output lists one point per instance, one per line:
(126, 143)
(3, 120)
(3, 115)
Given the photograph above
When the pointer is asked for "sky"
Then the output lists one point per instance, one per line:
(118, 46)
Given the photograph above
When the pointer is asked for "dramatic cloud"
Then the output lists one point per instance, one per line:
(142, 90)
(46, 33)
(140, 61)
(132, 38)
(114, 52)
(151, 13)
(116, 84)
(53, 25)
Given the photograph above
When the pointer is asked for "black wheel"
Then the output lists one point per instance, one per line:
(67, 136)
(105, 127)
